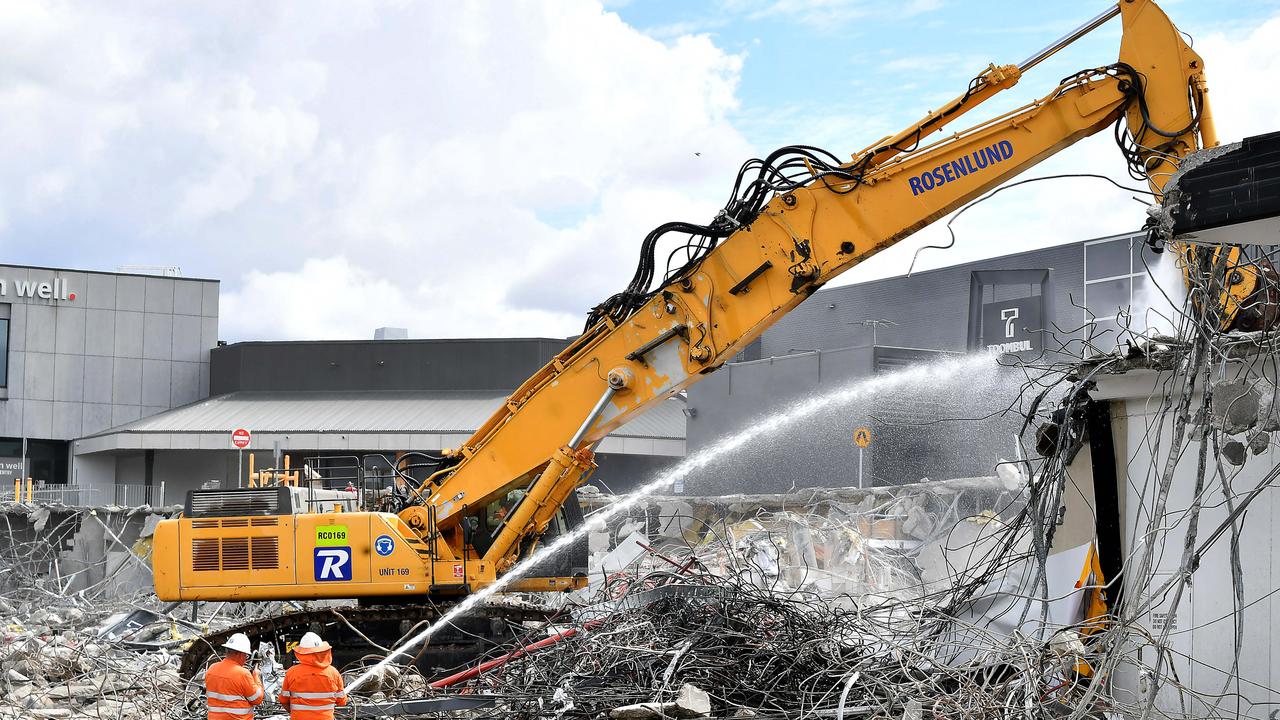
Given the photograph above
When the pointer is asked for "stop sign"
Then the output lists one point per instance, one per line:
(240, 438)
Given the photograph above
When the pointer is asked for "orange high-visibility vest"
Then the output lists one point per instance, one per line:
(231, 691)
(312, 688)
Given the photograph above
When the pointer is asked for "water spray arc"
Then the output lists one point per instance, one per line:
(932, 373)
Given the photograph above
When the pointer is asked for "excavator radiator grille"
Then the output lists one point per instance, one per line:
(239, 503)
(235, 553)
(265, 553)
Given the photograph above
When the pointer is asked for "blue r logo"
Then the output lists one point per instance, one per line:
(333, 563)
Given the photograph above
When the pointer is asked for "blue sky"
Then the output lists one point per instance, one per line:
(864, 67)
(470, 169)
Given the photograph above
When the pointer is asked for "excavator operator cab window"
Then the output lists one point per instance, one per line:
(496, 513)
(498, 510)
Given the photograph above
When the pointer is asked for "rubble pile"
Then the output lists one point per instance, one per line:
(756, 652)
(837, 608)
(56, 663)
(76, 657)
(838, 542)
(81, 634)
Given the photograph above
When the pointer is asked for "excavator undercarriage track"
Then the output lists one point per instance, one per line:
(471, 636)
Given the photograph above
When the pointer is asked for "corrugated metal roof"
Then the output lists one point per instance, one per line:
(364, 412)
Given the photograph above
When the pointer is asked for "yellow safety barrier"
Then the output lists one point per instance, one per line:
(264, 478)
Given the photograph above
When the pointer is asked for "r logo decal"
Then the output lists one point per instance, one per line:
(333, 563)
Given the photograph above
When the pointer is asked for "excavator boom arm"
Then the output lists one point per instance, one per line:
(799, 241)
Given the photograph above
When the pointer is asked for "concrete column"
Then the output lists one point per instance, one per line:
(97, 473)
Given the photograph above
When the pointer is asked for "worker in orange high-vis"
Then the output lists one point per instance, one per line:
(231, 690)
(312, 688)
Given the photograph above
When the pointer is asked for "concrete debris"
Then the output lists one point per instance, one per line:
(82, 635)
(384, 681)
(1235, 405)
(1234, 452)
(74, 657)
(1259, 442)
(692, 702)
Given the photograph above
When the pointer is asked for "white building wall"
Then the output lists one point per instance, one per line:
(1201, 628)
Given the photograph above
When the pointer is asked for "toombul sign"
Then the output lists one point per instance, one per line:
(1013, 326)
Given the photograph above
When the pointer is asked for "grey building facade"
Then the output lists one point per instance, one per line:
(84, 351)
(1077, 284)
(1072, 299)
(331, 407)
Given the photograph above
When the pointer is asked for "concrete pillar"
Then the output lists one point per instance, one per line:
(97, 474)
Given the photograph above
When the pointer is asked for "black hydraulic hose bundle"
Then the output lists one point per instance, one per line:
(794, 166)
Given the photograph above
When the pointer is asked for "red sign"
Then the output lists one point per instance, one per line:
(240, 438)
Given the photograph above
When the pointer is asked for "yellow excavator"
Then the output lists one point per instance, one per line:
(796, 219)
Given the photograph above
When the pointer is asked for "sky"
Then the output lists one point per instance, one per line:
(490, 168)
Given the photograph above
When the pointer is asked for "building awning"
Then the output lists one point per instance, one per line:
(357, 421)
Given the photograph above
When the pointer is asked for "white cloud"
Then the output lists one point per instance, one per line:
(829, 14)
(687, 27)
(458, 169)
(1242, 69)
(335, 298)
(402, 164)
(325, 298)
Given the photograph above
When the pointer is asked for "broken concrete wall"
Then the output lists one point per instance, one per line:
(76, 550)
(834, 541)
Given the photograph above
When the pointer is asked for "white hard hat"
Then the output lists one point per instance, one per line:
(311, 643)
(240, 643)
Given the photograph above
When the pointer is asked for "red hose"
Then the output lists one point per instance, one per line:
(513, 655)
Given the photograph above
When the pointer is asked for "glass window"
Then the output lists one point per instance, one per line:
(47, 461)
(1106, 299)
(1143, 256)
(1104, 335)
(4, 352)
(1132, 294)
(1106, 259)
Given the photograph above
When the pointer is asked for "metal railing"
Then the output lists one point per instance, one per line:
(335, 472)
(57, 495)
(124, 495)
(136, 495)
